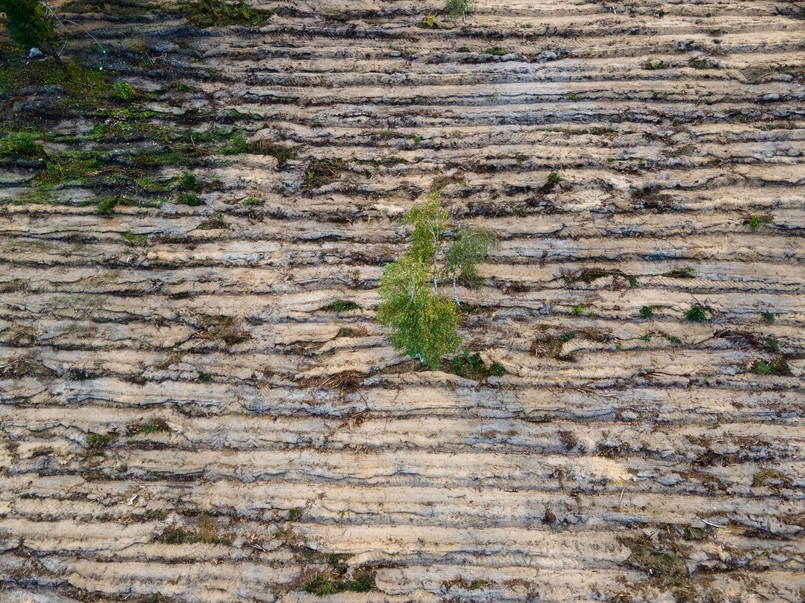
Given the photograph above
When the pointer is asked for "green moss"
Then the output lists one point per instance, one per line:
(122, 91)
(190, 182)
(341, 305)
(21, 145)
(87, 86)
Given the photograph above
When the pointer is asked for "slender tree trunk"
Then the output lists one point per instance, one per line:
(455, 291)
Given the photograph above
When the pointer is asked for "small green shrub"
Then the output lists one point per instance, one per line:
(647, 312)
(653, 64)
(767, 317)
(29, 25)
(294, 514)
(696, 313)
(578, 310)
(496, 51)
(459, 8)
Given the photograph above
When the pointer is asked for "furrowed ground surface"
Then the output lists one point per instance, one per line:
(197, 401)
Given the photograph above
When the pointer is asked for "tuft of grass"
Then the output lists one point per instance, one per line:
(696, 313)
(633, 284)
(578, 310)
(653, 64)
(551, 345)
(98, 442)
(684, 272)
(220, 13)
(320, 172)
(763, 368)
(189, 181)
(668, 565)
(496, 51)
(107, 204)
(472, 366)
(776, 366)
(151, 427)
(755, 223)
(138, 240)
(673, 339)
(328, 583)
(554, 178)
(767, 317)
(341, 305)
(252, 202)
(294, 514)
(189, 199)
(204, 377)
(647, 312)
(182, 536)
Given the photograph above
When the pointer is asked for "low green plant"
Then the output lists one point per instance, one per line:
(218, 13)
(122, 91)
(496, 51)
(134, 239)
(98, 442)
(767, 317)
(578, 310)
(755, 222)
(330, 583)
(21, 145)
(653, 64)
(189, 199)
(341, 305)
(696, 313)
(472, 366)
(647, 312)
(684, 272)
